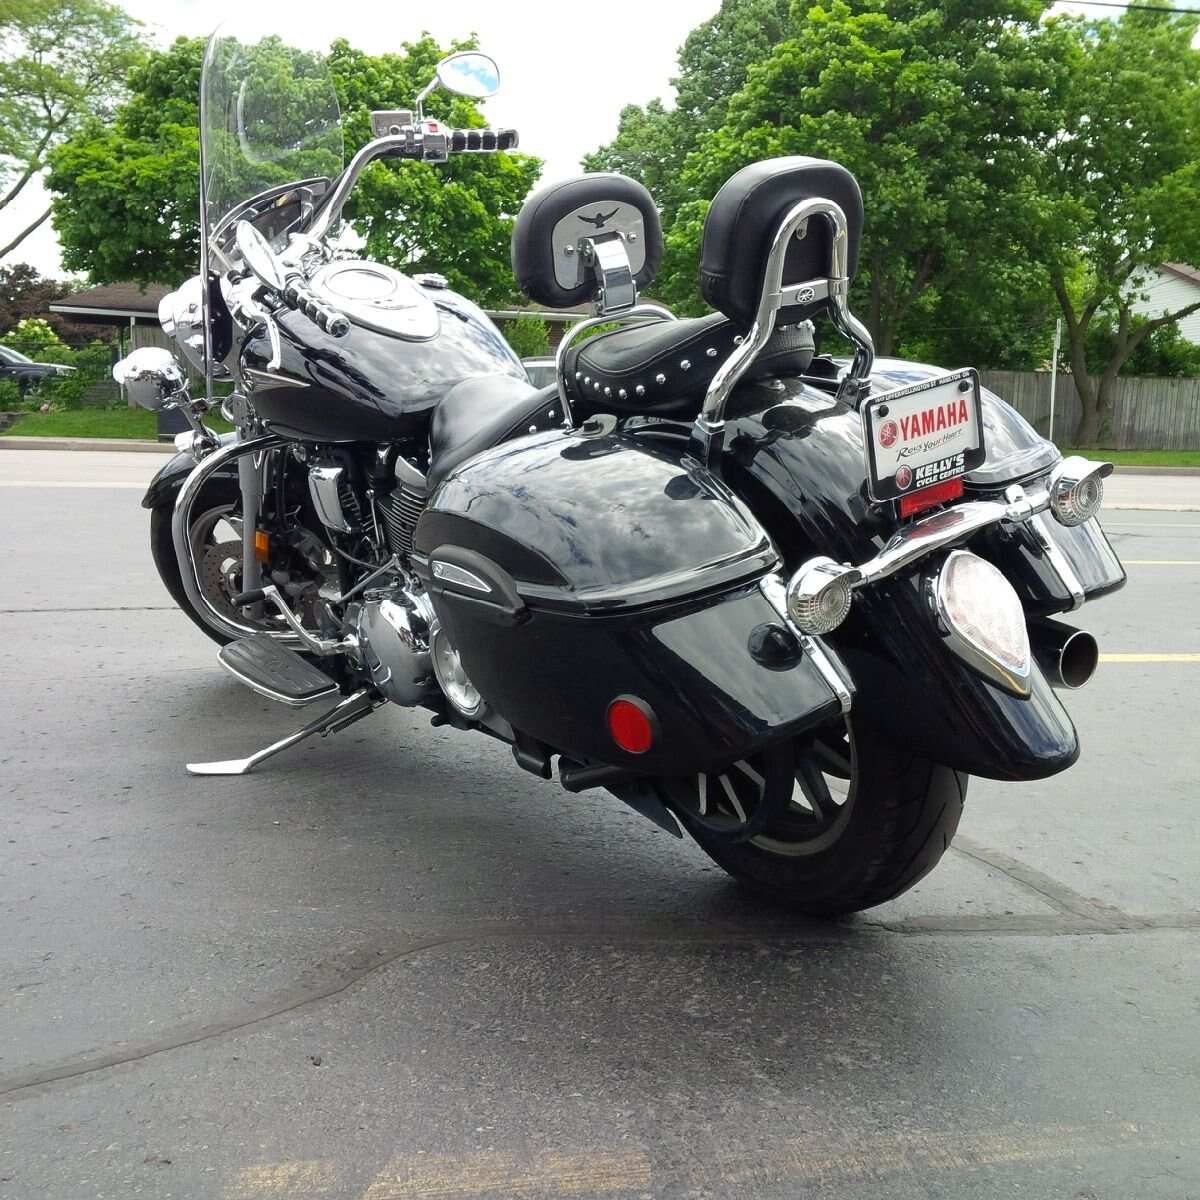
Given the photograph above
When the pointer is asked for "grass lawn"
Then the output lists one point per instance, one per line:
(134, 423)
(1143, 458)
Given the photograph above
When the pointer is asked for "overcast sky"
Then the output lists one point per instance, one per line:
(567, 66)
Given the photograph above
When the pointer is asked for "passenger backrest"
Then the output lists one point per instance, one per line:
(552, 222)
(742, 223)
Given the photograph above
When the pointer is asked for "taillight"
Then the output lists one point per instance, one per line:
(928, 497)
(631, 723)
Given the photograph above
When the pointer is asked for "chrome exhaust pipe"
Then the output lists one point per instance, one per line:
(1067, 656)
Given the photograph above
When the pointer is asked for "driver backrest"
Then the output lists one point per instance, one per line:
(744, 218)
(553, 221)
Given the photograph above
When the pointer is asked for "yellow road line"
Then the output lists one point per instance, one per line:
(1149, 658)
(815, 1161)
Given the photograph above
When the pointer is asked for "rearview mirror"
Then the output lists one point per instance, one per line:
(469, 74)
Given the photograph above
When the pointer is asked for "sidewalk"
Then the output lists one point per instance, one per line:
(53, 443)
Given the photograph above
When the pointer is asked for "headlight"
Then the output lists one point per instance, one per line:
(984, 620)
(819, 594)
(1077, 489)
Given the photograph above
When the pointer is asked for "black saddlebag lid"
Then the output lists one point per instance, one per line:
(597, 523)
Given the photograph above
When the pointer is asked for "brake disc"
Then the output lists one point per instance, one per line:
(220, 574)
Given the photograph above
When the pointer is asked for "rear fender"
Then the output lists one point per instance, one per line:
(801, 467)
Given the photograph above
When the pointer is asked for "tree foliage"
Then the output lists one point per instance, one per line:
(127, 195)
(60, 60)
(652, 143)
(1118, 189)
(25, 294)
(126, 191)
(934, 107)
(1012, 165)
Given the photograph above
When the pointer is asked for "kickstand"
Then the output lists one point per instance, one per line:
(344, 713)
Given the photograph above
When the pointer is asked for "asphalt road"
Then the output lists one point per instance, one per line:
(393, 965)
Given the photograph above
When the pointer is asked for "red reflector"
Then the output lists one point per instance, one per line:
(928, 497)
(631, 725)
(431, 126)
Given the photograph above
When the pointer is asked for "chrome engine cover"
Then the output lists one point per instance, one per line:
(393, 632)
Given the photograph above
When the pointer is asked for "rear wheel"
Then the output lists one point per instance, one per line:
(826, 824)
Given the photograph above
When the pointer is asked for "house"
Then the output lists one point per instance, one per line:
(128, 306)
(1172, 287)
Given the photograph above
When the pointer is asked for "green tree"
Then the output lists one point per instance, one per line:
(1118, 188)
(652, 143)
(933, 105)
(1163, 352)
(60, 60)
(126, 191)
(127, 195)
(529, 336)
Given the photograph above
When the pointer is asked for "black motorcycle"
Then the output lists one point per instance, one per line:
(779, 601)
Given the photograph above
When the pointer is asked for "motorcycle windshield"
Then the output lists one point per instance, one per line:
(270, 136)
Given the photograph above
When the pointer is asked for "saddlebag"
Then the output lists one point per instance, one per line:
(572, 570)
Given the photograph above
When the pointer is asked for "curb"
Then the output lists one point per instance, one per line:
(64, 443)
(1133, 470)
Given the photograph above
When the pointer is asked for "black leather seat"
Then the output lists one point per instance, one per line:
(480, 413)
(663, 369)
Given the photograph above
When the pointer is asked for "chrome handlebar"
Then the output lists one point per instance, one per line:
(427, 141)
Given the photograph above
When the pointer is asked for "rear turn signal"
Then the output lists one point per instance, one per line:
(820, 593)
(632, 724)
(1077, 489)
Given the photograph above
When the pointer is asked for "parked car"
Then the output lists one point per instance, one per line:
(539, 370)
(27, 374)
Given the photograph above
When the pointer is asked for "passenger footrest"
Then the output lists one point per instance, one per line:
(276, 671)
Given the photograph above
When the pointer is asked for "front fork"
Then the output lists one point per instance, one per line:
(251, 469)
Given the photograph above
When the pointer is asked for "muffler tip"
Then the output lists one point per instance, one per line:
(1068, 657)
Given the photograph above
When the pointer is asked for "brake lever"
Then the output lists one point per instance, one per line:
(252, 312)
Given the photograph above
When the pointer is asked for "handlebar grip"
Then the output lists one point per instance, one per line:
(482, 141)
(334, 323)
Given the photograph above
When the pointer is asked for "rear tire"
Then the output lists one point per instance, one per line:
(894, 823)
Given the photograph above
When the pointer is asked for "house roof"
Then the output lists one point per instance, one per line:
(1183, 271)
(113, 303)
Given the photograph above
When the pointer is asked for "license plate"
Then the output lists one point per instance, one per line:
(923, 434)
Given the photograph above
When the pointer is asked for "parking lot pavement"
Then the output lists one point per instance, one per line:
(394, 965)
(1152, 492)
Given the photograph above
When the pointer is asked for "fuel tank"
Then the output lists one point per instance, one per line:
(370, 386)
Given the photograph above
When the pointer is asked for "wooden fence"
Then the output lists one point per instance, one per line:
(1148, 414)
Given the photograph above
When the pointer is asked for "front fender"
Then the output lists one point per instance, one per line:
(800, 464)
(164, 487)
